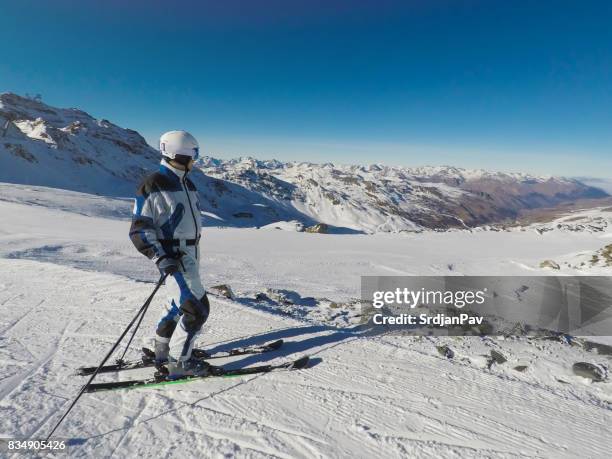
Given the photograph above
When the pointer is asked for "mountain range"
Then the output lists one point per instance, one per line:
(69, 149)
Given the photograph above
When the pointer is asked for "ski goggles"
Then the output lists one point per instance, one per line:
(192, 152)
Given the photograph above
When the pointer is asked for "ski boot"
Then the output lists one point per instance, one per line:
(191, 367)
(148, 355)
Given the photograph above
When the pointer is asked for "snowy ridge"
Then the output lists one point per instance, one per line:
(378, 198)
(69, 149)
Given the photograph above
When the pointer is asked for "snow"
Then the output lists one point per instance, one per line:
(293, 225)
(71, 281)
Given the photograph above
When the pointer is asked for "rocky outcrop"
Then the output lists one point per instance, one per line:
(550, 264)
(594, 372)
(320, 228)
(603, 257)
(223, 290)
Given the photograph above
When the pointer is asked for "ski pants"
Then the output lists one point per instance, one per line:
(185, 312)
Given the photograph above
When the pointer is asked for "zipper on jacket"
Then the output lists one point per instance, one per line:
(195, 223)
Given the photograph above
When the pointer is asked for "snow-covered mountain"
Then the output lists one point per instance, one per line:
(379, 198)
(69, 149)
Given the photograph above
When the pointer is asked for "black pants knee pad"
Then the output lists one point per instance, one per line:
(195, 313)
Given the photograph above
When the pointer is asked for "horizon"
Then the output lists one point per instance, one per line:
(607, 180)
(398, 166)
(386, 82)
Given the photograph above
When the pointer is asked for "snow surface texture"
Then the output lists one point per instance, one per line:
(67, 148)
(70, 282)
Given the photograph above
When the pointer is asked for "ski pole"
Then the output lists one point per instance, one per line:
(82, 391)
(142, 314)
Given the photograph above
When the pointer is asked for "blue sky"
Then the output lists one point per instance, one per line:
(518, 85)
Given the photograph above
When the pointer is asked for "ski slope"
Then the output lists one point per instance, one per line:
(70, 281)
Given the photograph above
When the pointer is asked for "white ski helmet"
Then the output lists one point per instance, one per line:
(174, 143)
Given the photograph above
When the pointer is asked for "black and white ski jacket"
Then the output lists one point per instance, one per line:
(166, 216)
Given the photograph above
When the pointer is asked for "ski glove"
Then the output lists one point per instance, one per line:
(168, 266)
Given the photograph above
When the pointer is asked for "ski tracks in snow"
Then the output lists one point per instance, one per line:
(370, 397)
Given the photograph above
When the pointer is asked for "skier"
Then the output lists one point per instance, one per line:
(166, 228)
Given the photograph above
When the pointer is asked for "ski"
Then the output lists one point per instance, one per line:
(148, 358)
(215, 372)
